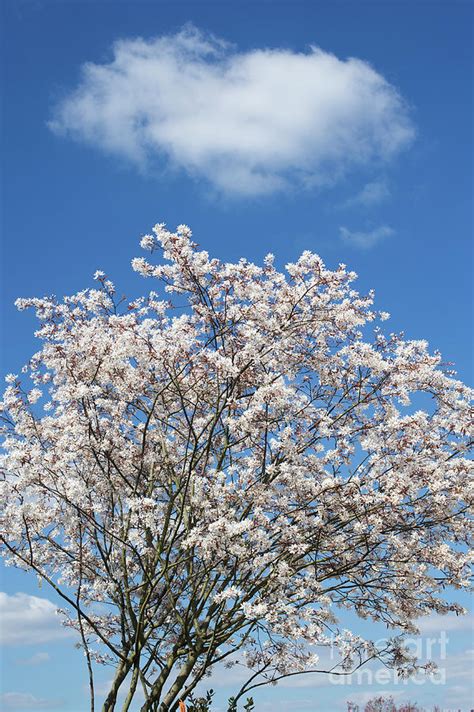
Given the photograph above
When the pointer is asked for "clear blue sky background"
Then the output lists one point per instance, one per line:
(69, 209)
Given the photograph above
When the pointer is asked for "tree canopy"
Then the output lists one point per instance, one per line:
(226, 472)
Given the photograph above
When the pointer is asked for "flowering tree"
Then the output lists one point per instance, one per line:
(226, 472)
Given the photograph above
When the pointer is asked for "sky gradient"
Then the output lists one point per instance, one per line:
(360, 150)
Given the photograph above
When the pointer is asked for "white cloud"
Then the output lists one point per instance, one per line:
(250, 122)
(460, 666)
(29, 620)
(436, 623)
(26, 701)
(371, 194)
(365, 239)
(36, 659)
(283, 705)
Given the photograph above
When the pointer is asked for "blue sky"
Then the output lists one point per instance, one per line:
(370, 164)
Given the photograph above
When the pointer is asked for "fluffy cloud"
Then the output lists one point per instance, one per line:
(249, 122)
(437, 623)
(367, 239)
(26, 701)
(371, 194)
(28, 620)
(35, 659)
